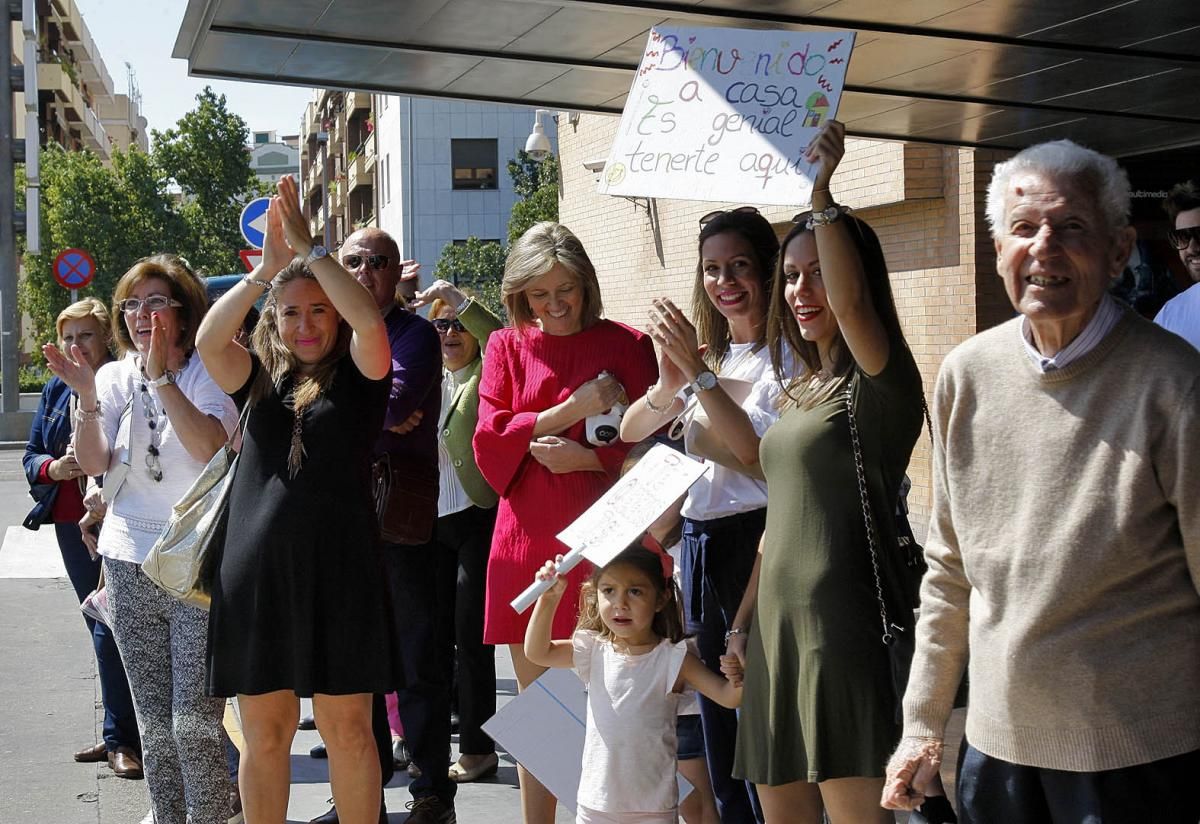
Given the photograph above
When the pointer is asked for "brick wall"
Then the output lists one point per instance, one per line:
(925, 202)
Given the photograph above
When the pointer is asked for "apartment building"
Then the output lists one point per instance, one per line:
(272, 157)
(78, 107)
(430, 172)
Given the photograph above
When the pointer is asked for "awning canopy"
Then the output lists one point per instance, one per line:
(1122, 78)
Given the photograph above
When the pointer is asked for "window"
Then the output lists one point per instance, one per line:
(473, 163)
(387, 178)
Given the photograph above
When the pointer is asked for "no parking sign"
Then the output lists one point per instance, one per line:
(74, 268)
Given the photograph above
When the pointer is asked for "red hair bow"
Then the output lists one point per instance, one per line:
(668, 563)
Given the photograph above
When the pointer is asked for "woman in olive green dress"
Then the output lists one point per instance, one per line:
(818, 719)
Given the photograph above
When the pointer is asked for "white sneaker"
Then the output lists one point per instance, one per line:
(149, 819)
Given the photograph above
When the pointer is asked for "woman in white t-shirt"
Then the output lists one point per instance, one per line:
(150, 422)
(725, 511)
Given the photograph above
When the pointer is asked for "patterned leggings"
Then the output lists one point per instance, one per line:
(162, 642)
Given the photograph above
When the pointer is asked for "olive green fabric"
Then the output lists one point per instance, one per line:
(818, 701)
(459, 427)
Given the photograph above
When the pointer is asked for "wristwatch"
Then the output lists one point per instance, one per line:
(705, 380)
(316, 253)
(826, 216)
(162, 380)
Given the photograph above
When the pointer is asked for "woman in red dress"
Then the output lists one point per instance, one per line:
(543, 377)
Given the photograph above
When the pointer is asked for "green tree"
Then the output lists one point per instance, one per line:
(206, 156)
(476, 264)
(117, 214)
(537, 186)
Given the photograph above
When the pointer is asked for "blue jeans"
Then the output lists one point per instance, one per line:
(120, 723)
(717, 559)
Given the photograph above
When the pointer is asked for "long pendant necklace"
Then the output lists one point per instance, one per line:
(296, 453)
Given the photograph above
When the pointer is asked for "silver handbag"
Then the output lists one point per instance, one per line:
(183, 560)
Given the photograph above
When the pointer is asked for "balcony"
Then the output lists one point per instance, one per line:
(312, 124)
(95, 136)
(356, 101)
(337, 196)
(337, 133)
(92, 69)
(68, 18)
(358, 175)
(368, 154)
(53, 77)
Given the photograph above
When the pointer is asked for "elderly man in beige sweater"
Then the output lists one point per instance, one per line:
(1064, 546)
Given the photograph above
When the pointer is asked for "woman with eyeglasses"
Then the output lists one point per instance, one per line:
(466, 516)
(150, 422)
(818, 720)
(57, 483)
(300, 601)
(725, 510)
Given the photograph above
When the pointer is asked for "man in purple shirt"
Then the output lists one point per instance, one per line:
(422, 584)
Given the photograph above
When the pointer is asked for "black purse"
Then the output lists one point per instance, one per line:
(898, 638)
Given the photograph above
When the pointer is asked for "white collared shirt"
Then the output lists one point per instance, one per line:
(451, 496)
(1108, 313)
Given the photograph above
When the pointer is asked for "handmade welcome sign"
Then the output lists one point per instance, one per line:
(726, 114)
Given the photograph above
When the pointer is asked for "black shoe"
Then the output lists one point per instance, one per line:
(331, 817)
(319, 752)
(429, 809)
(454, 722)
(307, 722)
(935, 810)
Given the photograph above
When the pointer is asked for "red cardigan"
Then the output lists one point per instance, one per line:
(525, 373)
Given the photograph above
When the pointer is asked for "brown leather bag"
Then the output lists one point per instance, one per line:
(406, 501)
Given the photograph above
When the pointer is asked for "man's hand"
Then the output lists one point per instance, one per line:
(408, 425)
(442, 290)
(911, 771)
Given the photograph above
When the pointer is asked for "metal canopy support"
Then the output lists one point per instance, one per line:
(10, 320)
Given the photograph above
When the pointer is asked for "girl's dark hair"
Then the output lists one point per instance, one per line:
(277, 360)
(711, 326)
(782, 330)
(668, 621)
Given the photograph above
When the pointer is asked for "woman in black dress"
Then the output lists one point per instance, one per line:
(299, 604)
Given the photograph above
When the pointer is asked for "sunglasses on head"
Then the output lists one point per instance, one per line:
(1182, 238)
(444, 325)
(741, 210)
(376, 262)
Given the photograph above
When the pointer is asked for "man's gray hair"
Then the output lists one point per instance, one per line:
(1059, 159)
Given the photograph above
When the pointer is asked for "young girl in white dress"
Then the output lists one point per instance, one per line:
(628, 649)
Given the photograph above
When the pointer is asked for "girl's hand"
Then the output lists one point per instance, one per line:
(295, 227)
(549, 572)
(444, 290)
(735, 647)
(827, 147)
(275, 253)
(73, 369)
(561, 455)
(670, 377)
(596, 396)
(731, 668)
(676, 337)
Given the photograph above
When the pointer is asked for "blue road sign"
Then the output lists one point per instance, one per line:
(74, 268)
(254, 221)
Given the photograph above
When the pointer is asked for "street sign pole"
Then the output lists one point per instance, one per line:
(74, 295)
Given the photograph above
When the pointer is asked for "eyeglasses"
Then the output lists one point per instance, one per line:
(376, 262)
(444, 325)
(154, 303)
(1182, 238)
(741, 210)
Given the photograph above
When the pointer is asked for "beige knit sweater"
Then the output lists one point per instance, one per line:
(1064, 552)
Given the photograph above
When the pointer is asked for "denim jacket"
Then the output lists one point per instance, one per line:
(48, 439)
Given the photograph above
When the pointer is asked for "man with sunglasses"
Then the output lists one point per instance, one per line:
(418, 580)
(1181, 314)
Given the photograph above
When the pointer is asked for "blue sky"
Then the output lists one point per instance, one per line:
(143, 33)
